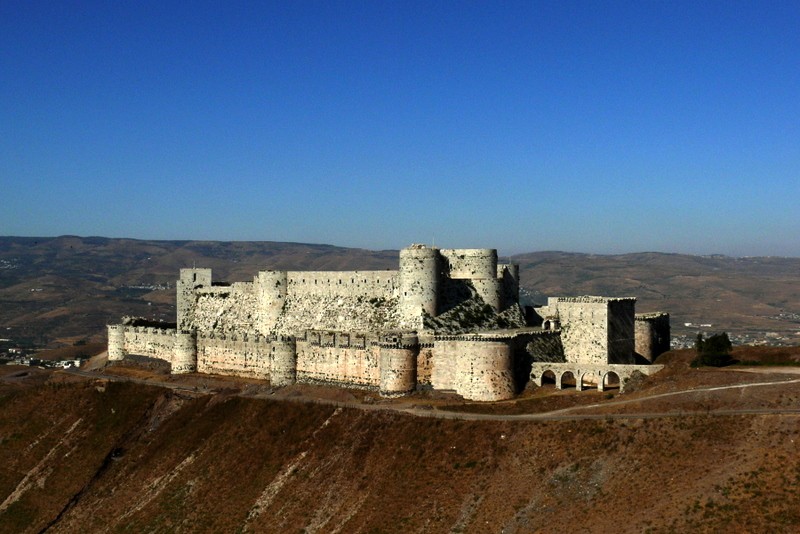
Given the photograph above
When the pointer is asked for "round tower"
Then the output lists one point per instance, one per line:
(271, 290)
(485, 370)
(116, 342)
(184, 357)
(509, 276)
(479, 266)
(398, 366)
(283, 362)
(419, 282)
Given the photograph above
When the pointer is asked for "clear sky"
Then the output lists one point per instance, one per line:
(584, 126)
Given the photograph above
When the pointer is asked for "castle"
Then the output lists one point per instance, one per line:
(448, 319)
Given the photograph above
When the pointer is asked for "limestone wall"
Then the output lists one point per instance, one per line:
(189, 280)
(271, 290)
(228, 310)
(584, 329)
(283, 362)
(478, 265)
(419, 283)
(544, 346)
(652, 333)
(398, 367)
(184, 354)
(116, 342)
(470, 264)
(508, 274)
(246, 356)
(444, 360)
(321, 312)
(594, 330)
(338, 358)
(150, 341)
(476, 367)
(621, 331)
(424, 365)
(367, 284)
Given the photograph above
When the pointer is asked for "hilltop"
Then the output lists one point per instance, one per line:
(210, 454)
(64, 289)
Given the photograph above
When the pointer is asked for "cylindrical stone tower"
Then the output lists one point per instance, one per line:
(283, 362)
(652, 335)
(184, 357)
(485, 370)
(479, 265)
(116, 342)
(419, 282)
(509, 277)
(271, 290)
(398, 366)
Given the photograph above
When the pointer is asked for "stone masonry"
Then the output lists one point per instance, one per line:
(448, 319)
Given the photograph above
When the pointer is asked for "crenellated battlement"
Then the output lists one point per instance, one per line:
(390, 331)
(653, 316)
(588, 299)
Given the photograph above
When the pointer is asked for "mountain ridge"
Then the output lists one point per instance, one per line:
(61, 289)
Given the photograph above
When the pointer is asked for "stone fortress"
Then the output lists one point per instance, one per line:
(448, 319)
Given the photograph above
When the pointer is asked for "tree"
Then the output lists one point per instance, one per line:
(714, 351)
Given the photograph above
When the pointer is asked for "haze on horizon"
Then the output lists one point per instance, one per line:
(599, 127)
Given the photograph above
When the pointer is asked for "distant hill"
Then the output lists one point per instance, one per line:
(63, 289)
(748, 296)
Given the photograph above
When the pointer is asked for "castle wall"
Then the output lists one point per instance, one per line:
(584, 328)
(184, 354)
(116, 342)
(228, 310)
(346, 314)
(652, 334)
(544, 346)
(595, 330)
(149, 341)
(366, 284)
(470, 263)
(508, 274)
(189, 280)
(425, 364)
(419, 282)
(338, 358)
(245, 356)
(480, 368)
(283, 362)
(480, 267)
(444, 360)
(398, 367)
(271, 289)
(621, 338)
(359, 328)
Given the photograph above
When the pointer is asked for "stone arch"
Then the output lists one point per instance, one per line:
(548, 378)
(610, 380)
(588, 380)
(567, 380)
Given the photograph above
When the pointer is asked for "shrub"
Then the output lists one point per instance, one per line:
(714, 351)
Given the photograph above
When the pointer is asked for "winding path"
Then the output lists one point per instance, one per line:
(565, 414)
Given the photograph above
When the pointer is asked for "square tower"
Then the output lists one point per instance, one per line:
(595, 330)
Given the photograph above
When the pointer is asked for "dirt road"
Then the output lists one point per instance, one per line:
(565, 414)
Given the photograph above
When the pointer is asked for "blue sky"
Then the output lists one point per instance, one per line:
(601, 127)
